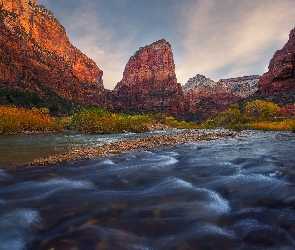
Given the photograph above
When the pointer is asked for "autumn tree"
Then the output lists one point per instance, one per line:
(258, 110)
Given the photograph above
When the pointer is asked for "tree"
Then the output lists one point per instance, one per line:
(258, 110)
(231, 116)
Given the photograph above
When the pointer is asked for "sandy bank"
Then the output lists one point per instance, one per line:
(147, 142)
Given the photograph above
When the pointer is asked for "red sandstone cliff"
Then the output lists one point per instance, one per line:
(149, 82)
(281, 74)
(36, 54)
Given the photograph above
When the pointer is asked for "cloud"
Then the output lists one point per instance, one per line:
(102, 35)
(90, 32)
(231, 37)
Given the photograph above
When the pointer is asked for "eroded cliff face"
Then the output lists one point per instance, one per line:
(149, 82)
(205, 97)
(281, 70)
(36, 55)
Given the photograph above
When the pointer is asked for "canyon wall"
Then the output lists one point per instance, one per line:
(281, 70)
(205, 98)
(36, 55)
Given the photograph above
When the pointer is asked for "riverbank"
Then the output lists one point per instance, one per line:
(146, 143)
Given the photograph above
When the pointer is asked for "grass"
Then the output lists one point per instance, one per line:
(101, 121)
(20, 120)
(285, 125)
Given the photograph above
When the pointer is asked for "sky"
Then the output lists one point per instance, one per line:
(215, 38)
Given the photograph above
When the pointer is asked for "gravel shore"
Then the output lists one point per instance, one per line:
(147, 142)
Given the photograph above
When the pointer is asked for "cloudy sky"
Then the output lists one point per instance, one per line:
(216, 38)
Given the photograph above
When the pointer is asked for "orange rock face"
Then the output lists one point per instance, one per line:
(149, 82)
(36, 54)
(281, 74)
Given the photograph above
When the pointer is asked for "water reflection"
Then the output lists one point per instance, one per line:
(16, 150)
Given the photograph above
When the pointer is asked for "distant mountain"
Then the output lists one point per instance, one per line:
(204, 97)
(149, 83)
(37, 56)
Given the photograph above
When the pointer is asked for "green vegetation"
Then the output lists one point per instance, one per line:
(256, 114)
(101, 121)
(258, 110)
(18, 120)
(85, 120)
(25, 99)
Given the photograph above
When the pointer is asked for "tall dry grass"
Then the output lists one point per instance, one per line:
(285, 125)
(19, 120)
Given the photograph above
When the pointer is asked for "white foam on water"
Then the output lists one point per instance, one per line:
(203, 228)
(107, 162)
(182, 183)
(4, 176)
(197, 231)
(15, 228)
(218, 204)
(167, 186)
(40, 190)
(167, 161)
(3, 202)
(67, 184)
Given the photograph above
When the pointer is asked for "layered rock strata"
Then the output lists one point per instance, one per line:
(149, 83)
(206, 97)
(36, 55)
(281, 70)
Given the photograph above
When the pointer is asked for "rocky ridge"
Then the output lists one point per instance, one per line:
(149, 83)
(36, 55)
(281, 70)
(206, 97)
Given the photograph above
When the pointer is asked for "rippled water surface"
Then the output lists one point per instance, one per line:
(235, 193)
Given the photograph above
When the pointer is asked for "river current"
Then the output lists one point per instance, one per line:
(231, 193)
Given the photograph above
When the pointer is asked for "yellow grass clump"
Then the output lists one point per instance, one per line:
(19, 120)
(286, 125)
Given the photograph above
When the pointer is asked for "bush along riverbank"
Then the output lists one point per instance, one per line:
(254, 115)
(20, 120)
(84, 121)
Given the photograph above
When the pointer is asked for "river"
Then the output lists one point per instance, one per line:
(231, 193)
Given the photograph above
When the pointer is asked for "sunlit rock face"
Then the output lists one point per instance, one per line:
(281, 70)
(206, 97)
(36, 55)
(149, 82)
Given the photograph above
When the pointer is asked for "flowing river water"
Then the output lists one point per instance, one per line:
(231, 193)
